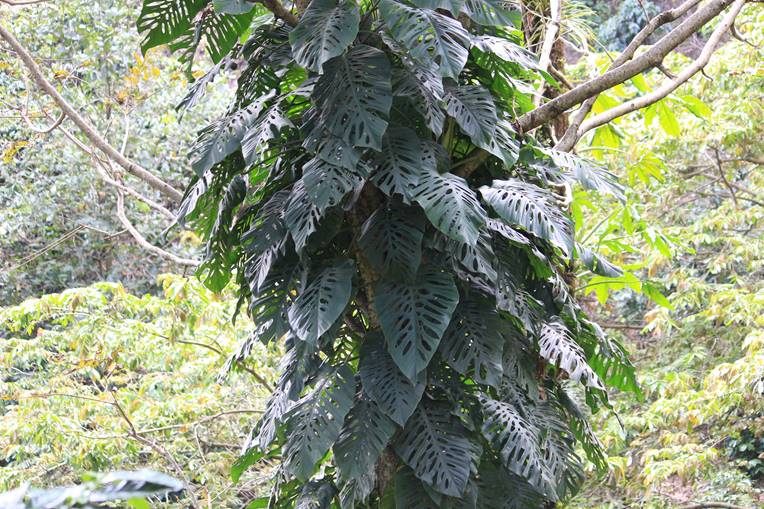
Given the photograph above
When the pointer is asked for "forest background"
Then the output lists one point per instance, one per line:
(114, 358)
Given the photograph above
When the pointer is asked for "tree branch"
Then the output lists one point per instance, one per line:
(87, 129)
(670, 86)
(281, 12)
(650, 58)
(555, 10)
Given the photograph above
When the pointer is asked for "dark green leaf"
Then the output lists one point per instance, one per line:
(473, 109)
(391, 239)
(414, 316)
(424, 87)
(316, 495)
(492, 12)
(326, 184)
(325, 31)
(558, 347)
(301, 216)
(162, 21)
(401, 163)
(265, 129)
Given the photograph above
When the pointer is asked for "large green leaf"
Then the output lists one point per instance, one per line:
(531, 207)
(324, 299)
(267, 127)
(400, 164)
(449, 5)
(505, 50)
(590, 174)
(500, 489)
(224, 136)
(391, 239)
(354, 96)
(410, 492)
(428, 35)
(473, 342)
(366, 433)
(515, 439)
(163, 21)
(558, 347)
(503, 145)
(434, 444)
(473, 109)
(384, 383)
(315, 422)
(301, 216)
(415, 315)
(316, 495)
(325, 31)
(451, 206)
(326, 184)
(492, 12)
(424, 87)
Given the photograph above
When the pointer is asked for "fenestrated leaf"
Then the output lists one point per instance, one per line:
(590, 174)
(473, 109)
(501, 489)
(410, 492)
(449, 5)
(492, 12)
(316, 495)
(434, 444)
(391, 239)
(597, 263)
(366, 433)
(429, 36)
(414, 316)
(515, 439)
(354, 96)
(383, 382)
(355, 492)
(162, 21)
(315, 421)
(323, 301)
(232, 6)
(301, 216)
(325, 31)
(473, 263)
(425, 88)
(401, 163)
(531, 207)
(505, 50)
(326, 184)
(503, 144)
(265, 129)
(224, 136)
(451, 206)
(558, 347)
(473, 342)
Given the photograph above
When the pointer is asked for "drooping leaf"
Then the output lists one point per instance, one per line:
(449, 5)
(473, 109)
(232, 6)
(265, 129)
(354, 96)
(558, 347)
(301, 216)
(224, 136)
(434, 445)
(597, 263)
(391, 239)
(531, 207)
(324, 299)
(424, 86)
(384, 383)
(316, 495)
(451, 206)
(326, 184)
(492, 12)
(499, 488)
(366, 432)
(325, 31)
(410, 492)
(473, 342)
(516, 440)
(415, 315)
(505, 50)
(503, 143)
(400, 164)
(162, 21)
(314, 423)
(590, 174)
(428, 35)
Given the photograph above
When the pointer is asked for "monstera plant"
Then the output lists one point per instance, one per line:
(381, 215)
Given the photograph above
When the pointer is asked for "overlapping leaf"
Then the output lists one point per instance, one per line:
(558, 347)
(325, 31)
(401, 163)
(326, 184)
(473, 109)
(391, 239)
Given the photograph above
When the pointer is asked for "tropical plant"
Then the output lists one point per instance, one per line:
(380, 213)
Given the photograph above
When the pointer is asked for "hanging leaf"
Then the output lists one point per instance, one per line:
(493, 12)
(473, 342)
(515, 439)
(265, 129)
(414, 316)
(326, 184)
(400, 164)
(424, 87)
(316, 495)
(383, 382)
(500, 489)
(224, 136)
(448, 5)
(557, 346)
(314, 423)
(531, 207)
(505, 50)
(434, 445)
(590, 174)
(366, 433)
(596, 263)
(391, 239)
(301, 216)
(473, 109)
(324, 299)
(428, 35)
(503, 144)
(163, 21)
(451, 206)
(410, 492)
(354, 96)
(325, 31)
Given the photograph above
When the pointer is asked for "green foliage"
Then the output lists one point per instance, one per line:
(429, 329)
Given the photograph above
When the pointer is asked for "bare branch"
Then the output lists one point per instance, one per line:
(87, 129)
(670, 86)
(552, 28)
(650, 58)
